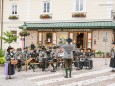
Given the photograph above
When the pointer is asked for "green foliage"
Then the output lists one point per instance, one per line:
(2, 60)
(13, 17)
(8, 37)
(100, 52)
(1, 53)
(24, 33)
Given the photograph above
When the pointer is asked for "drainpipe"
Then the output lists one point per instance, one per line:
(1, 12)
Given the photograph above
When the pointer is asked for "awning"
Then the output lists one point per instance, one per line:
(71, 25)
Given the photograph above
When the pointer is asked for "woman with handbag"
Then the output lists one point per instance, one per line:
(9, 67)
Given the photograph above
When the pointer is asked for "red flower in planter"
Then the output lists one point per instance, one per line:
(78, 15)
(45, 16)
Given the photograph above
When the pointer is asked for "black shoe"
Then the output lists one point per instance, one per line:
(43, 69)
(6, 78)
(78, 69)
(113, 71)
(65, 77)
(53, 71)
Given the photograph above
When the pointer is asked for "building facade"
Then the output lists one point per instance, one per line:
(88, 22)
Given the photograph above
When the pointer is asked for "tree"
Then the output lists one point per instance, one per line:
(8, 37)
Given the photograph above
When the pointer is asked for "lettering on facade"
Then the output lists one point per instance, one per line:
(64, 30)
(106, 5)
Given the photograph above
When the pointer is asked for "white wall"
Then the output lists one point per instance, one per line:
(30, 10)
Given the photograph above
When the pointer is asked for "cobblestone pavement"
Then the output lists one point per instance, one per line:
(100, 75)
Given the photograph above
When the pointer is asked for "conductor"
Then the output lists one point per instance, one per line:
(68, 56)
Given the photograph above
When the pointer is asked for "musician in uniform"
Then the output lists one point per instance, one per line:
(68, 56)
(112, 53)
(33, 55)
(26, 53)
(9, 68)
(81, 59)
(19, 57)
(88, 59)
(54, 62)
(43, 59)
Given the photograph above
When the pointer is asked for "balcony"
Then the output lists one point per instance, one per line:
(78, 15)
(13, 17)
(45, 16)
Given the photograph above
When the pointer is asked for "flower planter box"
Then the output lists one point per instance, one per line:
(45, 16)
(79, 15)
(99, 56)
(13, 17)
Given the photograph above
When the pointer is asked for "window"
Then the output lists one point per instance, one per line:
(46, 7)
(14, 9)
(14, 34)
(79, 5)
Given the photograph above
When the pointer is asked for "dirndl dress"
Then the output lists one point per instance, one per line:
(9, 69)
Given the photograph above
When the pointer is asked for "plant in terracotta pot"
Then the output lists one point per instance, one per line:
(108, 54)
(24, 33)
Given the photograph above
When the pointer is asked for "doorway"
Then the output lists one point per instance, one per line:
(79, 40)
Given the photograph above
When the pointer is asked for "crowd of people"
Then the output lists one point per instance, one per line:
(57, 56)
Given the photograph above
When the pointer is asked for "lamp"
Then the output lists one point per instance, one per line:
(24, 28)
(113, 15)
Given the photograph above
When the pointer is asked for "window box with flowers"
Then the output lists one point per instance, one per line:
(79, 15)
(13, 17)
(24, 33)
(45, 16)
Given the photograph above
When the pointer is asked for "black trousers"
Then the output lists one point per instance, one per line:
(19, 65)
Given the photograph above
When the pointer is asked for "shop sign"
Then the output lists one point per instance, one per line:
(64, 30)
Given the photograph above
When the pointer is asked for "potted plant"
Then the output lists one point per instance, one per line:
(99, 54)
(24, 33)
(108, 54)
(2, 58)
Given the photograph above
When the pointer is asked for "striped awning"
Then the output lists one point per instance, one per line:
(71, 25)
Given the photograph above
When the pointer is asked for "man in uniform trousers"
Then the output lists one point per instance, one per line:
(54, 62)
(80, 60)
(112, 54)
(43, 59)
(19, 57)
(26, 53)
(68, 56)
(88, 61)
(34, 56)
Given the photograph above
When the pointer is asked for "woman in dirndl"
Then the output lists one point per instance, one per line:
(9, 68)
(112, 53)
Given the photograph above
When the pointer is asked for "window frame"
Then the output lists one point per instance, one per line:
(14, 34)
(75, 6)
(14, 9)
(46, 8)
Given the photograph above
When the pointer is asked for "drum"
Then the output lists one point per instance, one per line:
(44, 59)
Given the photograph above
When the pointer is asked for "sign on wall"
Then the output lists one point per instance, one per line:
(64, 30)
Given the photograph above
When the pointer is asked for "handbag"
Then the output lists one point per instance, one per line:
(82, 59)
(14, 62)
